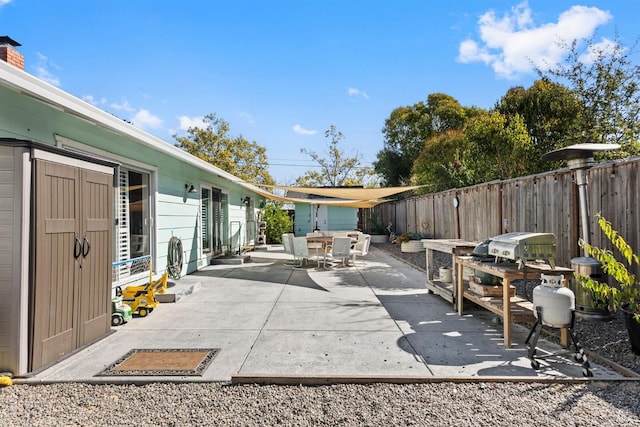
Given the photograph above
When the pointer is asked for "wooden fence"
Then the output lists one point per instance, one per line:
(545, 203)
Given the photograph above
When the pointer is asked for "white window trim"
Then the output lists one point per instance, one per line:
(207, 256)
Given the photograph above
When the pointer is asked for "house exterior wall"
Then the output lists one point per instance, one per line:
(33, 111)
(342, 218)
(175, 213)
(338, 218)
(303, 220)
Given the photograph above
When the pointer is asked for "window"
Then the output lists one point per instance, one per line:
(212, 217)
(134, 224)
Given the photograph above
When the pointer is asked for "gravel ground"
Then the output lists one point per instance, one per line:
(433, 404)
(608, 339)
(436, 404)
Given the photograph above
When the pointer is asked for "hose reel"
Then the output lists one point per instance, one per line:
(174, 258)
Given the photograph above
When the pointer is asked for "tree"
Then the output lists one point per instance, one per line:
(499, 147)
(441, 163)
(405, 131)
(408, 129)
(608, 85)
(336, 170)
(550, 112)
(278, 221)
(244, 159)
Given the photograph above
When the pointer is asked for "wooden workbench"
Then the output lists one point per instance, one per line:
(454, 247)
(507, 307)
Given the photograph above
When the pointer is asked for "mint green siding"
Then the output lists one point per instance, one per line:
(337, 218)
(173, 212)
(342, 218)
(303, 221)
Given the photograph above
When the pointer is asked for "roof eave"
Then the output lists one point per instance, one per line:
(23, 82)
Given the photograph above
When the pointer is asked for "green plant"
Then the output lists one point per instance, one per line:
(375, 227)
(626, 294)
(404, 237)
(278, 221)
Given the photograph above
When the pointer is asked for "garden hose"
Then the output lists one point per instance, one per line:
(174, 258)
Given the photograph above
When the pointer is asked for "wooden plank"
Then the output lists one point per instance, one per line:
(488, 290)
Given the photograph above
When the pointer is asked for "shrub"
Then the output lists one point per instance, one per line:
(626, 294)
(278, 221)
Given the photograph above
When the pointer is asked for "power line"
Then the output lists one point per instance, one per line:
(308, 166)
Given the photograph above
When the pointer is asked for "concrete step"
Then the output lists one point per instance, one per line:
(230, 260)
(176, 289)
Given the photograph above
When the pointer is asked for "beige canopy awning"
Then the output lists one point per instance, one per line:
(337, 196)
(347, 192)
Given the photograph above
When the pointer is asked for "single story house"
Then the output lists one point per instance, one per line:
(88, 202)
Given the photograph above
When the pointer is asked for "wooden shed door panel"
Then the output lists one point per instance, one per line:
(73, 252)
(95, 288)
(55, 268)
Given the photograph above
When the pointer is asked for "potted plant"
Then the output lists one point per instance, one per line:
(377, 231)
(625, 296)
(409, 242)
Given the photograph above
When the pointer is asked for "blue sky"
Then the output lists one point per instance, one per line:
(282, 72)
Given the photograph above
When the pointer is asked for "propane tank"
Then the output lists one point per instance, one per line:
(556, 301)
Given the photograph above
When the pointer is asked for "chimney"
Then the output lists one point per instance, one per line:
(9, 54)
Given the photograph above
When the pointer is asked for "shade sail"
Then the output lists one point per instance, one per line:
(352, 193)
(345, 197)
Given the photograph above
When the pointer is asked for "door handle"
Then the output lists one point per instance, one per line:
(86, 247)
(77, 248)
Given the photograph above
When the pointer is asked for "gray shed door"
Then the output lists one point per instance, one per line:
(72, 263)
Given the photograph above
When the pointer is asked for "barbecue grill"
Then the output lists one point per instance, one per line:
(524, 246)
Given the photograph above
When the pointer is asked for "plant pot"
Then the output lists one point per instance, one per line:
(446, 274)
(633, 328)
(379, 238)
(412, 246)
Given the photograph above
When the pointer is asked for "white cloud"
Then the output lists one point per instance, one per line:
(351, 91)
(123, 106)
(513, 45)
(597, 50)
(192, 122)
(302, 131)
(43, 72)
(3, 2)
(247, 117)
(144, 119)
(91, 100)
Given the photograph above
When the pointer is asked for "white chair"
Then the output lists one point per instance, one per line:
(288, 245)
(300, 249)
(362, 246)
(316, 246)
(341, 248)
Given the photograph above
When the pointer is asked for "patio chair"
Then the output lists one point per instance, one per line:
(316, 246)
(300, 250)
(288, 246)
(362, 246)
(341, 248)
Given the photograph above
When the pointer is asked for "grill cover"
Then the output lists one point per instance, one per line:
(524, 246)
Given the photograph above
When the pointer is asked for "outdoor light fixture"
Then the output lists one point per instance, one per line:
(190, 188)
(246, 200)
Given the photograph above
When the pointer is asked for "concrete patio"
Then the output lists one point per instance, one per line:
(373, 321)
